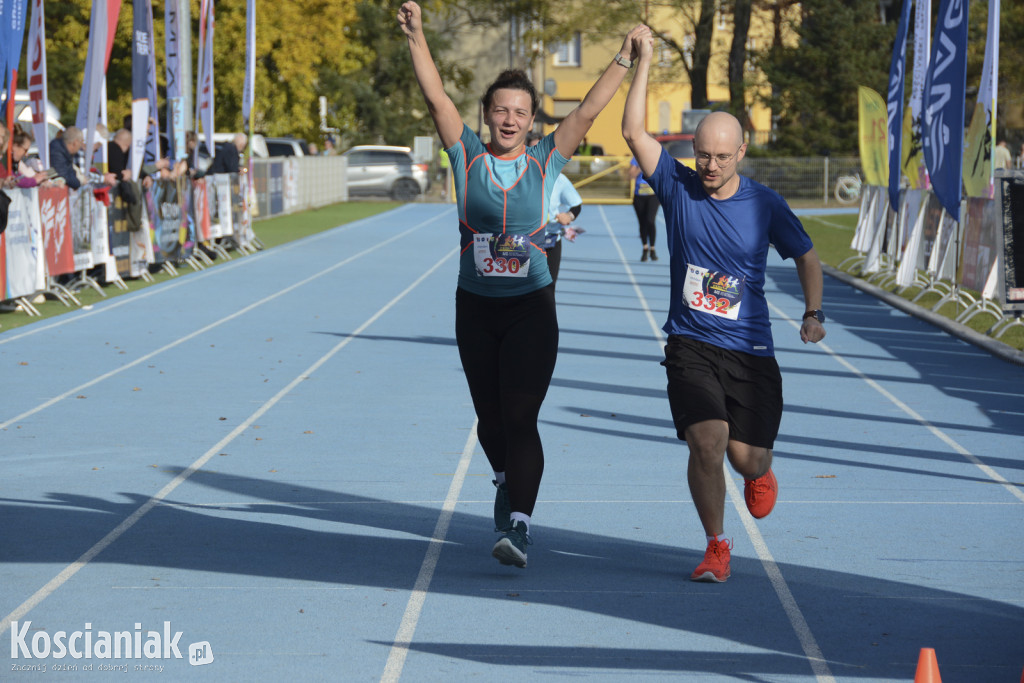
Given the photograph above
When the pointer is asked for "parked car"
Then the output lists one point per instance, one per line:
(680, 146)
(385, 170)
(286, 147)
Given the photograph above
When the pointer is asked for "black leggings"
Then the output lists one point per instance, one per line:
(646, 207)
(508, 347)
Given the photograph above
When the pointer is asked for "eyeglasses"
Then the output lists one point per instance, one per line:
(723, 160)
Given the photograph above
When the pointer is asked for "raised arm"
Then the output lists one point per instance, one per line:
(574, 127)
(645, 148)
(444, 112)
(808, 270)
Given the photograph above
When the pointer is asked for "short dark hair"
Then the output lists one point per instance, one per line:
(512, 79)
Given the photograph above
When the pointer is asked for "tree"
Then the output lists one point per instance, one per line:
(814, 84)
(741, 10)
(296, 42)
(378, 101)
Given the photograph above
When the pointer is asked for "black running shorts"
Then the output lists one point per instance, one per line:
(706, 382)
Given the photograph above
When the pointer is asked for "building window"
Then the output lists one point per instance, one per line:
(568, 53)
(665, 54)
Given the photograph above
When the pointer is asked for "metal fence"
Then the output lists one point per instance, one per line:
(801, 178)
(318, 181)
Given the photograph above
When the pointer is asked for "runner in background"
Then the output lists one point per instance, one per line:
(564, 207)
(646, 206)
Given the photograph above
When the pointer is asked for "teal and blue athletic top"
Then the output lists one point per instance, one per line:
(719, 253)
(507, 199)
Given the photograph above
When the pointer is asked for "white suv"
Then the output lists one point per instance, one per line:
(385, 170)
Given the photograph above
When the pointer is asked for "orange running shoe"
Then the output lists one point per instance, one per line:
(760, 494)
(715, 566)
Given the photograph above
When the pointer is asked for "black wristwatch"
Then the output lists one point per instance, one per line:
(820, 315)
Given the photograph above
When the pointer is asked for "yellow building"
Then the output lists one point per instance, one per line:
(564, 72)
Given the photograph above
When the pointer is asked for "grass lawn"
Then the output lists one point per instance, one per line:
(271, 232)
(831, 234)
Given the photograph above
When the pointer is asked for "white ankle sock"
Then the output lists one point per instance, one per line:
(520, 517)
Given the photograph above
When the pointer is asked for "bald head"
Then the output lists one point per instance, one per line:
(719, 126)
(241, 141)
(719, 147)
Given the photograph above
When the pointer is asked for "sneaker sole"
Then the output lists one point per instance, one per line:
(709, 577)
(506, 553)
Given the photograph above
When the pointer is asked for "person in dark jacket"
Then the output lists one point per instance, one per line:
(227, 158)
(62, 155)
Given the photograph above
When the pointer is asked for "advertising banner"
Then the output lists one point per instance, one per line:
(220, 198)
(118, 235)
(55, 217)
(894, 103)
(872, 137)
(23, 250)
(141, 247)
(943, 101)
(241, 224)
(168, 220)
(201, 210)
(80, 209)
(981, 242)
(37, 93)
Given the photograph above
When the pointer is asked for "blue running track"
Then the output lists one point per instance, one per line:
(276, 459)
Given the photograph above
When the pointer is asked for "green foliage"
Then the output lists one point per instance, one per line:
(378, 101)
(814, 84)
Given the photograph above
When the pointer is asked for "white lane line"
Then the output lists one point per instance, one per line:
(140, 295)
(413, 609)
(142, 359)
(796, 618)
(659, 335)
(793, 612)
(942, 436)
(56, 582)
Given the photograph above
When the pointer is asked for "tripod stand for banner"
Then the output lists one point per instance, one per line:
(954, 294)
(60, 292)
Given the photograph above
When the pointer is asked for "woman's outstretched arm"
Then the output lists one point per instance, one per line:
(574, 127)
(444, 112)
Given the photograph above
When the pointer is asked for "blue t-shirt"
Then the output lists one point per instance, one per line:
(719, 250)
(508, 200)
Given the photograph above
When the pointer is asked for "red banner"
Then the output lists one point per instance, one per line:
(55, 214)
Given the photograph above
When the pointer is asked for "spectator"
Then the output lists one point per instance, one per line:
(24, 174)
(1001, 157)
(63, 150)
(1020, 157)
(228, 154)
(117, 154)
(329, 147)
(186, 165)
(313, 149)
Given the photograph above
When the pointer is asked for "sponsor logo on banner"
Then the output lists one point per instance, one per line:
(943, 102)
(55, 215)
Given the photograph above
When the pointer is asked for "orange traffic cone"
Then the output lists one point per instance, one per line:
(927, 667)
